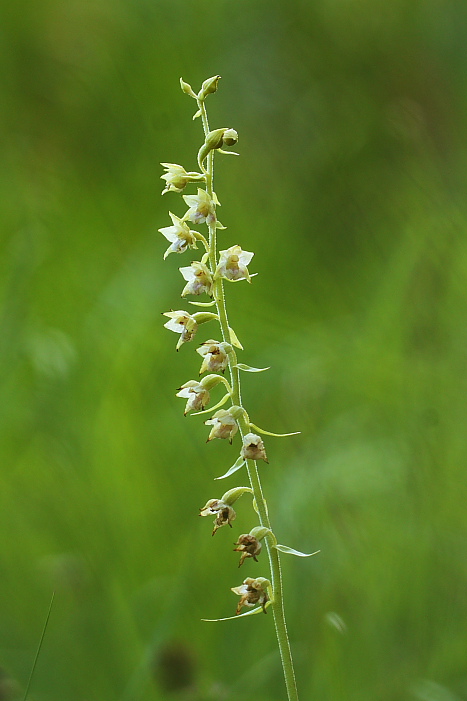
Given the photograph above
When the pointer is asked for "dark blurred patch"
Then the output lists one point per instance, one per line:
(9, 689)
(175, 667)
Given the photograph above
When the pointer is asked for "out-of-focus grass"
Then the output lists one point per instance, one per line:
(349, 189)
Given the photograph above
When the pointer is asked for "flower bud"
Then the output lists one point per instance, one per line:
(249, 546)
(253, 448)
(208, 87)
(186, 87)
(230, 137)
(217, 139)
(251, 592)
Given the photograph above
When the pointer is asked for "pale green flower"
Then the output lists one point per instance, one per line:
(197, 395)
(223, 425)
(183, 323)
(176, 178)
(179, 234)
(198, 277)
(214, 354)
(232, 264)
(201, 209)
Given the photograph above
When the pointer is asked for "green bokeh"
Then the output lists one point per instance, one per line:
(350, 188)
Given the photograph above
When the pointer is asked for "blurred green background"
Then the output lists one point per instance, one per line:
(350, 188)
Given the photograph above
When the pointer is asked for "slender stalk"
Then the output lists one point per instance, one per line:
(253, 474)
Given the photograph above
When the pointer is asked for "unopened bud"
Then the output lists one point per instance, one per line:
(186, 87)
(208, 87)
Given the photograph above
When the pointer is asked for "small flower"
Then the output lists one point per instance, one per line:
(179, 234)
(224, 513)
(176, 178)
(223, 425)
(201, 208)
(249, 546)
(252, 591)
(198, 277)
(253, 448)
(198, 396)
(215, 358)
(183, 323)
(232, 264)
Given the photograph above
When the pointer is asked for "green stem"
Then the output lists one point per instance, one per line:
(253, 474)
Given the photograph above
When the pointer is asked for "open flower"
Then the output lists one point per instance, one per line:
(201, 208)
(233, 262)
(214, 354)
(176, 178)
(249, 546)
(224, 513)
(253, 448)
(179, 234)
(198, 396)
(198, 277)
(251, 592)
(183, 323)
(223, 425)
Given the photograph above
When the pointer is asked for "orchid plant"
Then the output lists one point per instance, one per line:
(206, 277)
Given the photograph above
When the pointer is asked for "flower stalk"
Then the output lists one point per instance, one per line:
(207, 277)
